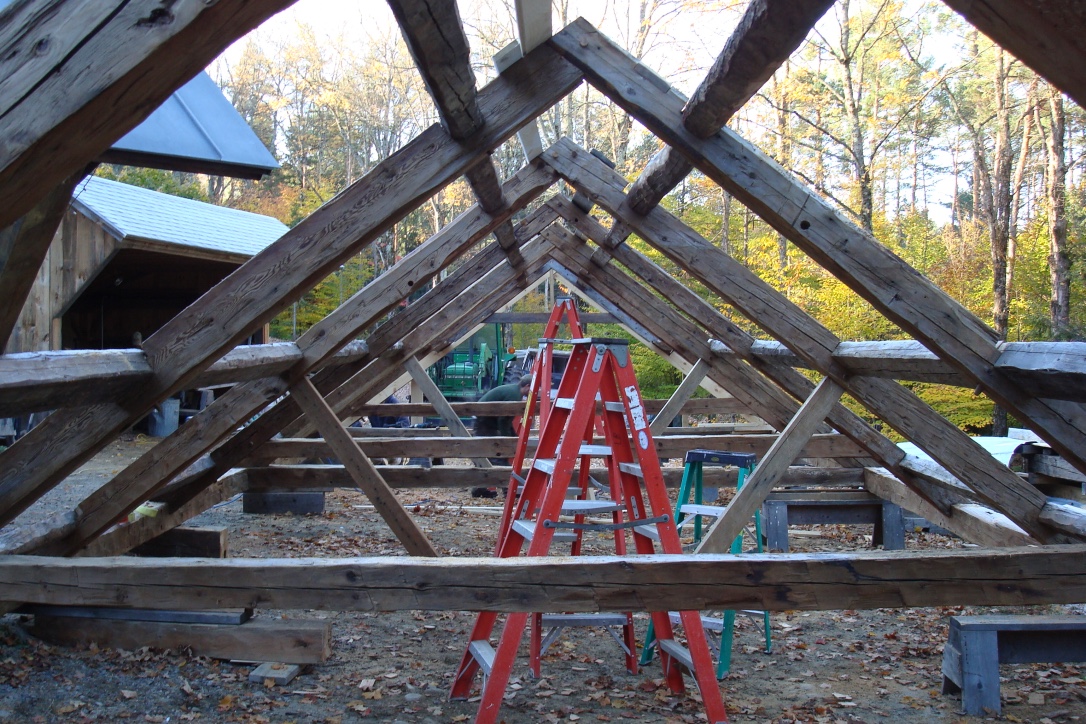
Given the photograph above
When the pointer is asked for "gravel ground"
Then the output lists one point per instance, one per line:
(834, 666)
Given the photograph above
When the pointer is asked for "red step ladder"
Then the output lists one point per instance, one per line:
(596, 368)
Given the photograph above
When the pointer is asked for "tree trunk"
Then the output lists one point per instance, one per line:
(1059, 264)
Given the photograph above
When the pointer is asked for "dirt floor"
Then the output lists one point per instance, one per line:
(833, 666)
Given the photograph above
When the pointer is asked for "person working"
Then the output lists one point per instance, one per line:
(499, 425)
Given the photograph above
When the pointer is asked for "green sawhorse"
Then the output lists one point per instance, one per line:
(686, 513)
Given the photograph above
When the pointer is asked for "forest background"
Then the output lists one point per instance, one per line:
(922, 131)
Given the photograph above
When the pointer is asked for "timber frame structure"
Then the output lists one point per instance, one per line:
(129, 56)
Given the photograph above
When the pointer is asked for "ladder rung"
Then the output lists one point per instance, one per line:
(713, 511)
(567, 620)
(632, 469)
(483, 653)
(614, 407)
(545, 465)
(566, 403)
(526, 529)
(596, 451)
(678, 652)
(713, 624)
(590, 506)
(649, 531)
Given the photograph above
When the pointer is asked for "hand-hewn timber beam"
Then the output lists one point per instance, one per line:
(76, 76)
(680, 397)
(34, 381)
(699, 406)
(822, 445)
(1047, 36)
(252, 295)
(362, 470)
(893, 287)
(736, 284)
(441, 405)
(1056, 370)
(790, 581)
(970, 522)
(23, 247)
(786, 448)
(766, 36)
(437, 42)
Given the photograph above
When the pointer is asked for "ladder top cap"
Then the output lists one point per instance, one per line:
(721, 457)
(587, 340)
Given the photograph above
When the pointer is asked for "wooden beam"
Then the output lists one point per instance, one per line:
(786, 448)
(187, 542)
(991, 480)
(790, 581)
(289, 642)
(24, 246)
(1047, 36)
(870, 269)
(973, 523)
(831, 445)
(700, 406)
(310, 477)
(436, 39)
(362, 470)
(541, 318)
(76, 77)
(36, 381)
(680, 397)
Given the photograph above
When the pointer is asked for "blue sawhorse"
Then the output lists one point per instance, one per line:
(686, 513)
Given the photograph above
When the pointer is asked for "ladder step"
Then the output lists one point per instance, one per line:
(649, 531)
(565, 403)
(589, 506)
(483, 653)
(614, 407)
(568, 620)
(632, 469)
(526, 529)
(712, 511)
(597, 451)
(545, 465)
(678, 652)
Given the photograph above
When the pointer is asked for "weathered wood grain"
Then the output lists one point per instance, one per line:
(437, 42)
(791, 581)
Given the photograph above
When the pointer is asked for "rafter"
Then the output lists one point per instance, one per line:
(893, 287)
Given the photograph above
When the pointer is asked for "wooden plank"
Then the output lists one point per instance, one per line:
(437, 42)
(886, 281)
(1062, 516)
(186, 542)
(252, 295)
(786, 448)
(362, 470)
(291, 642)
(700, 406)
(1046, 36)
(992, 481)
(78, 75)
(26, 538)
(307, 477)
(973, 523)
(680, 397)
(829, 445)
(23, 247)
(795, 581)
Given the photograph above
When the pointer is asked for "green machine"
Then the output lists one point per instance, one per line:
(474, 367)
